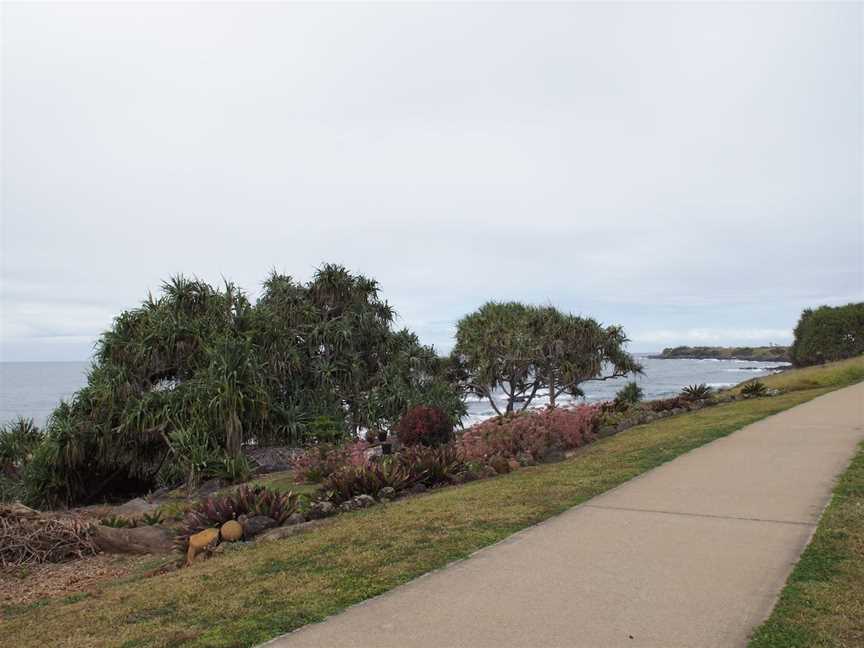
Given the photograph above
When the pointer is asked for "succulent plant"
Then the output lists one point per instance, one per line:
(754, 389)
(696, 392)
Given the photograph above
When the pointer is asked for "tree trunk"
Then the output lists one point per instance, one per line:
(551, 390)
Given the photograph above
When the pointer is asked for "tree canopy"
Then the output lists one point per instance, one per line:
(828, 333)
(522, 349)
(193, 374)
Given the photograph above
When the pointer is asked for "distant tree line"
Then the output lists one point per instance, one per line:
(828, 333)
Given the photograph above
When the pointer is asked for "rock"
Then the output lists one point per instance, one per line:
(347, 506)
(136, 507)
(256, 524)
(280, 533)
(231, 531)
(295, 518)
(210, 486)
(321, 509)
(364, 501)
(387, 493)
(140, 540)
(418, 488)
(201, 542)
(525, 459)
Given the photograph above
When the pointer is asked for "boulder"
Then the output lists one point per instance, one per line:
(321, 509)
(201, 542)
(364, 501)
(387, 493)
(231, 531)
(140, 540)
(295, 518)
(135, 507)
(418, 488)
(257, 524)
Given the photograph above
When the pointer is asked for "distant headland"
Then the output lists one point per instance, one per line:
(762, 354)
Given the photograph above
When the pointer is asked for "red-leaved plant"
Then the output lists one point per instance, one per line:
(531, 433)
(424, 425)
(316, 463)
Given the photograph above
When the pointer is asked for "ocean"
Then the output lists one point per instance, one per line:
(33, 389)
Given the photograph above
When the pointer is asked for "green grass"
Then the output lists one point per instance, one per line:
(822, 605)
(244, 597)
(835, 374)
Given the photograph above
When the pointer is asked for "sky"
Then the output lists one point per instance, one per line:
(692, 172)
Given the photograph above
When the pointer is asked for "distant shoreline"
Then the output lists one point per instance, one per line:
(752, 354)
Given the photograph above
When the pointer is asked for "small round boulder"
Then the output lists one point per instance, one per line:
(231, 531)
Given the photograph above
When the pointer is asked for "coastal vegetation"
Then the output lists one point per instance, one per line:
(181, 383)
(756, 354)
(522, 349)
(248, 595)
(827, 334)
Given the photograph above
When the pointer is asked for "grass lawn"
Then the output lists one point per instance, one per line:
(822, 604)
(248, 595)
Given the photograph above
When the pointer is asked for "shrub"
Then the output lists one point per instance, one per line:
(827, 334)
(696, 392)
(665, 404)
(629, 394)
(317, 463)
(754, 389)
(433, 466)
(531, 433)
(246, 500)
(368, 479)
(424, 425)
(18, 439)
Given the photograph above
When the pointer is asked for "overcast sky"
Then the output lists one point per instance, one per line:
(692, 172)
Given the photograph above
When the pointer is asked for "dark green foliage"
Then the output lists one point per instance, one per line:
(424, 425)
(629, 394)
(18, 439)
(827, 334)
(521, 349)
(179, 384)
(696, 392)
(754, 389)
(215, 511)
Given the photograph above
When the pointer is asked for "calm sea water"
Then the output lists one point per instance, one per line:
(33, 389)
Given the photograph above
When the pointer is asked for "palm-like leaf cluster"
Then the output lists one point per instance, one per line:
(191, 375)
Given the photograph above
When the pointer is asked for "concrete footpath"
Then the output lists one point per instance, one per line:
(693, 553)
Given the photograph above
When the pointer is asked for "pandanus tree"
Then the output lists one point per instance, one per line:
(520, 350)
(182, 382)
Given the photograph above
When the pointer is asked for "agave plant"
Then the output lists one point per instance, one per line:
(118, 522)
(754, 389)
(696, 392)
(151, 519)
